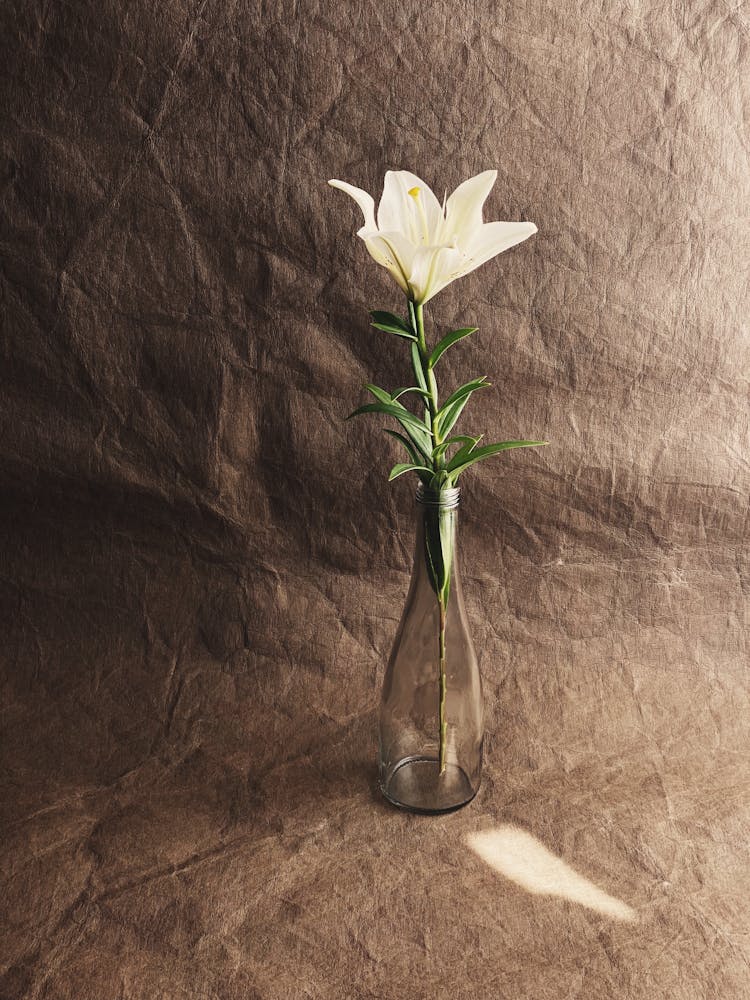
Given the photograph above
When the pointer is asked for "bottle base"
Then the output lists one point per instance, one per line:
(416, 785)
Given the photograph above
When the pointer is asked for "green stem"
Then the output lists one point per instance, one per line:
(416, 317)
(443, 691)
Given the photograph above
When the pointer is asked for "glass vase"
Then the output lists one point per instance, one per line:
(431, 712)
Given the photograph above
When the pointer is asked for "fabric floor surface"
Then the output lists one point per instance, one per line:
(203, 566)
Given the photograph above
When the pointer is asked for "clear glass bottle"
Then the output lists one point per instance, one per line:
(432, 655)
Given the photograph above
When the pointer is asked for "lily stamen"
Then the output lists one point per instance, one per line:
(414, 192)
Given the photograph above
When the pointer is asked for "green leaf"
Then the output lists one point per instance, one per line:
(458, 463)
(439, 451)
(451, 409)
(391, 319)
(378, 393)
(413, 426)
(446, 545)
(432, 554)
(411, 450)
(391, 324)
(392, 397)
(448, 340)
(438, 543)
(421, 444)
(402, 467)
(392, 410)
(416, 361)
(448, 418)
(465, 451)
(398, 333)
(465, 390)
(413, 388)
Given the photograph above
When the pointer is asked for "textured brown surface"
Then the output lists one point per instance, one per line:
(203, 565)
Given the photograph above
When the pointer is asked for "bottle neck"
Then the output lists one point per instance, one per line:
(441, 500)
(435, 555)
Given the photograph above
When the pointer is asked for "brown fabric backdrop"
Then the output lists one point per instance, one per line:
(203, 565)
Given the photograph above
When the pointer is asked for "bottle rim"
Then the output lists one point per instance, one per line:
(445, 499)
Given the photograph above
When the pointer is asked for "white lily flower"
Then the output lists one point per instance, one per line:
(426, 246)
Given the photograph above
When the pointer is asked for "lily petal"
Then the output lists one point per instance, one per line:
(400, 211)
(493, 238)
(464, 207)
(395, 252)
(432, 269)
(362, 198)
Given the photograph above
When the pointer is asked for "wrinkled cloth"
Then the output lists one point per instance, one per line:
(203, 566)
